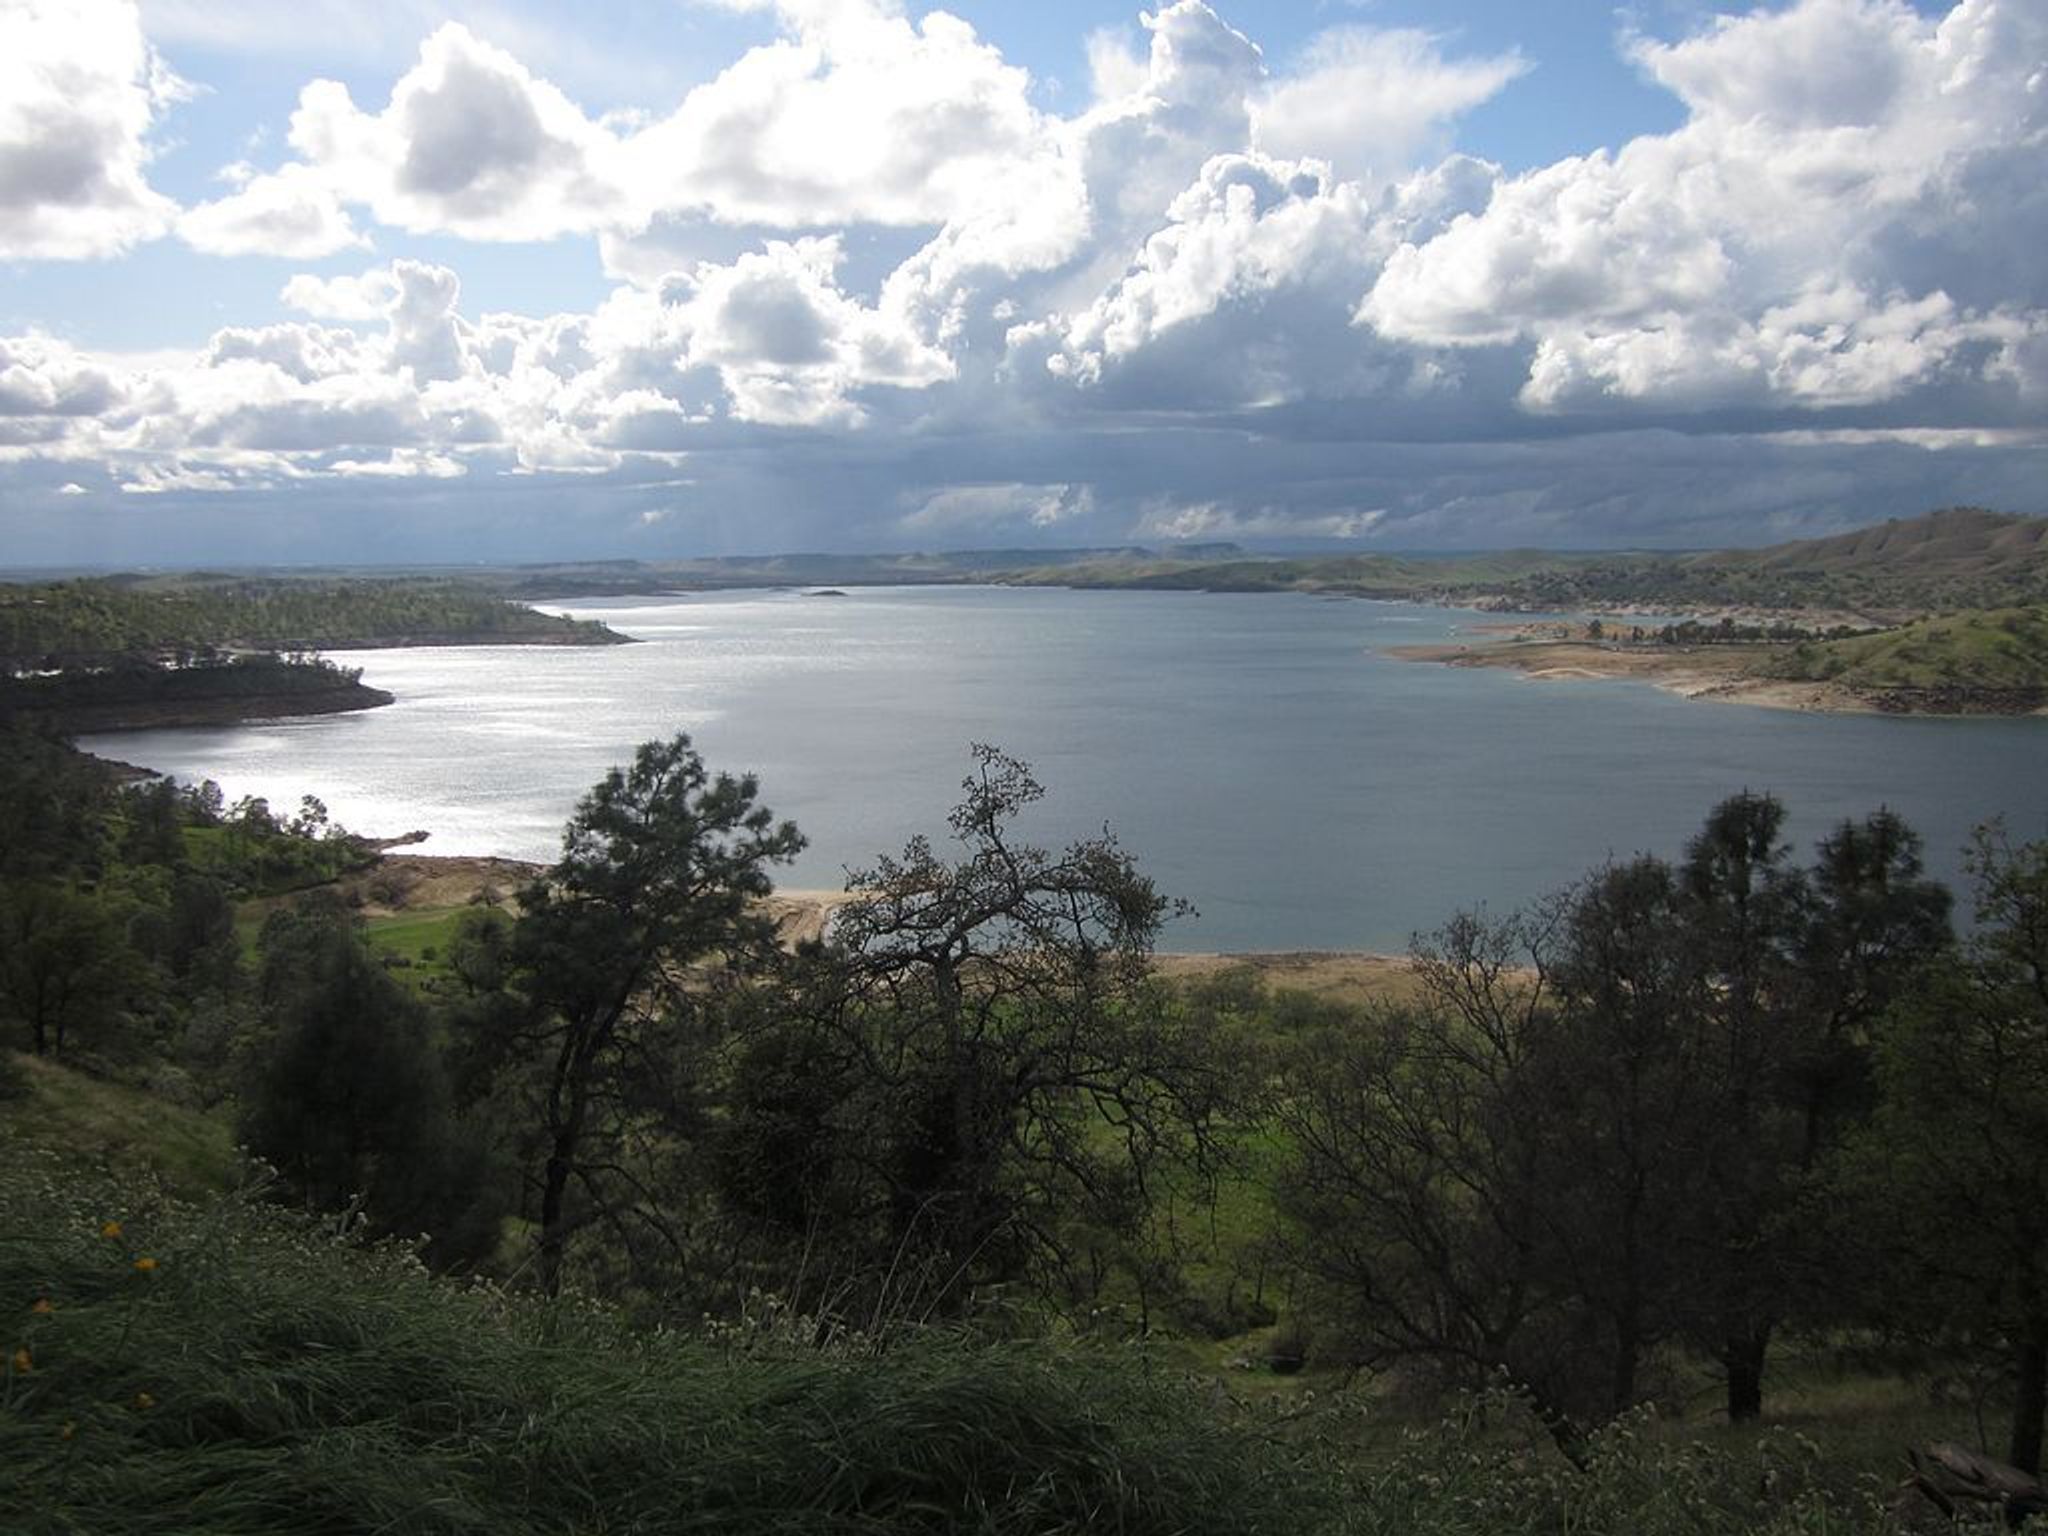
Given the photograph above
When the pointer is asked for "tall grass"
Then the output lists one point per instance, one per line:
(257, 1375)
(236, 1369)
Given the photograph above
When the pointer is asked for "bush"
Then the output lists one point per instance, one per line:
(239, 1369)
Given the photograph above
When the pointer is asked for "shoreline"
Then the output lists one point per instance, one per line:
(432, 882)
(179, 714)
(1718, 674)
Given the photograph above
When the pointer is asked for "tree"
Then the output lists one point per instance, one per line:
(1590, 1133)
(347, 1096)
(1745, 911)
(613, 951)
(1622, 1082)
(1873, 923)
(65, 960)
(1798, 963)
(1007, 1086)
(1950, 1181)
(1418, 1171)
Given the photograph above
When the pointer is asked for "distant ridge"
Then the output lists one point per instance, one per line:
(1963, 541)
(1957, 558)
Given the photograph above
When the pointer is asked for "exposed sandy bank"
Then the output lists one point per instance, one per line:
(1338, 976)
(426, 881)
(1726, 674)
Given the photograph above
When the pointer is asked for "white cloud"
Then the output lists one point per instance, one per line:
(1224, 301)
(861, 116)
(364, 296)
(1372, 102)
(968, 510)
(1246, 227)
(42, 377)
(1787, 243)
(291, 212)
(790, 348)
(80, 91)
(1181, 522)
(471, 143)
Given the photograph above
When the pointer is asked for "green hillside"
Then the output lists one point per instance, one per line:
(1997, 650)
(140, 1137)
(91, 622)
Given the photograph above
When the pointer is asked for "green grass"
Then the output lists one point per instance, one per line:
(1994, 649)
(265, 1375)
(262, 1376)
(418, 937)
(109, 1126)
(229, 1368)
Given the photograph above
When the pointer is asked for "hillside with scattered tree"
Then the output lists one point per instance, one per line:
(94, 622)
(960, 1213)
(1959, 558)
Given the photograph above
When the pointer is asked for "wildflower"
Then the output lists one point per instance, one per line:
(144, 1402)
(70, 1428)
(110, 1229)
(42, 1307)
(146, 1265)
(24, 1362)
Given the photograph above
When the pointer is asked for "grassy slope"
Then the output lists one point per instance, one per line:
(1997, 649)
(113, 1127)
(231, 1369)
(263, 1377)
(281, 1367)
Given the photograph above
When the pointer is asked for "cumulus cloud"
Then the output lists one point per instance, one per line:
(860, 116)
(870, 290)
(1374, 102)
(857, 114)
(41, 377)
(292, 212)
(1765, 251)
(978, 510)
(80, 92)
(471, 143)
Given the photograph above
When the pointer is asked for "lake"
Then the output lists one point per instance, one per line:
(1253, 751)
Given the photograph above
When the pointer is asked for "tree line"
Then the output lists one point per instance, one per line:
(96, 622)
(1681, 1111)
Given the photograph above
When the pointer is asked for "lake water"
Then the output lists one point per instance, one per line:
(1254, 752)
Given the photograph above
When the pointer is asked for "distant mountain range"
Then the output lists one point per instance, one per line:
(1889, 573)
(1958, 558)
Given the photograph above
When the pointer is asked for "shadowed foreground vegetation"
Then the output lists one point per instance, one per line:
(235, 1369)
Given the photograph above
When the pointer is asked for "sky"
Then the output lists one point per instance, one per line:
(399, 281)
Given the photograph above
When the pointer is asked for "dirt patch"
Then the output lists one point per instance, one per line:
(412, 881)
(803, 916)
(1338, 976)
(1722, 673)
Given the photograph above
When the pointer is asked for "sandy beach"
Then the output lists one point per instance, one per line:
(428, 882)
(1721, 673)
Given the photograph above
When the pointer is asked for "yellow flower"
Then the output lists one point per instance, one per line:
(146, 1264)
(110, 1229)
(42, 1308)
(144, 1401)
(24, 1362)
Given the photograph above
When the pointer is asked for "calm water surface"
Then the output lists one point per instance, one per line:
(1253, 751)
